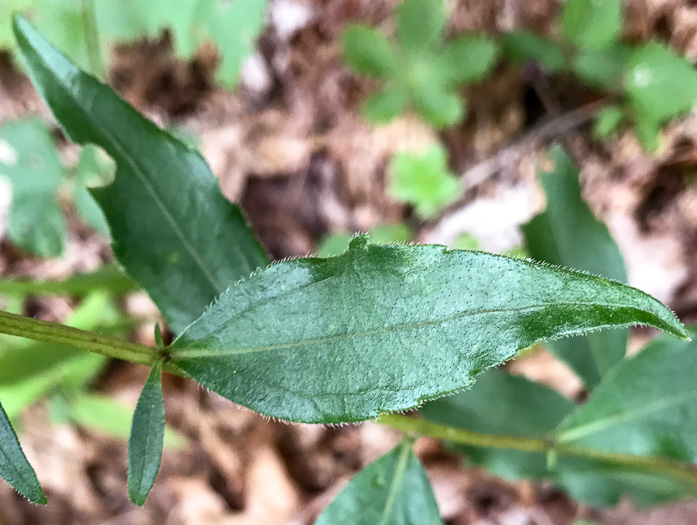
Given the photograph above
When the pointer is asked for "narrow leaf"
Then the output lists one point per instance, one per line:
(393, 490)
(384, 328)
(172, 228)
(14, 467)
(568, 234)
(146, 439)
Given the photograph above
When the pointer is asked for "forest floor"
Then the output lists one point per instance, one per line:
(291, 147)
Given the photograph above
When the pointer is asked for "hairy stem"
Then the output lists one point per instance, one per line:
(47, 332)
(649, 464)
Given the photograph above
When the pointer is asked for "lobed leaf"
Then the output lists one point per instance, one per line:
(146, 439)
(14, 467)
(393, 490)
(384, 328)
(568, 234)
(172, 228)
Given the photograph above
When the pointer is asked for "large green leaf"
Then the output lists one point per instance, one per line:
(172, 228)
(500, 403)
(394, 490)
(645, 406)
(30, 164)
(14, 467)
(147, 437)
(568, 234)
(384, 328)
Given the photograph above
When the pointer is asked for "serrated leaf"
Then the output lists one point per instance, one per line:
(568, 234)
(383, 106)
(502, 404)
(420, 25)
(607, 122)
(526, 46)
(146, 440)
(466, 59)
(423, 180)
(171, 225)
(384, 328)
(603, 68)
(660, 85)
(368, 52)
(29, 162)
(591, 24)
(393, 490)
(14, 467)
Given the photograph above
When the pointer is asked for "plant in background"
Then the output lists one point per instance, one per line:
(376, 330)
(33, 173)
(85, 29)
(650, 82)
(418, 69)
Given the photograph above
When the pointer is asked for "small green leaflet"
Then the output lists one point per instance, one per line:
(172, 228)
(29, 163)
(591, 24)
(393, 490)
(525, 46)
(384, 328)
(568, 234)
(146, 440)
(14, 467)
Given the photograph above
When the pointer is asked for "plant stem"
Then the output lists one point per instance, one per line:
(108, 278)
(648, 464)
(94, 48)
(47, 332)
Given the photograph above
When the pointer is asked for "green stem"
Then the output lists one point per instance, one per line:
(649, 464)
(47, 332)
(109, 278)
(94, 48)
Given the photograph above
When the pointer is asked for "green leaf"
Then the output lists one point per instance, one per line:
(14, 467)
(173, 230)
(526, 46)
(591, 24)
(7, 8)
(112, 417)
(94, 168)
(29, 163)
(568, 234)
(368, 52)
(146, 439)
(383, 106)
(338, 243)
(420, 25)
(502, 404)
(384, 328)
(466, 59)
(607, 122)
(438, 106)
(645, 406)
(393, 490)
(603, 68)
(660, 85)
(234, 26)
(423, 181)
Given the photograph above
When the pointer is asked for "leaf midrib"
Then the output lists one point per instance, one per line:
(140, 173)
(397, 481)
(192, 352)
